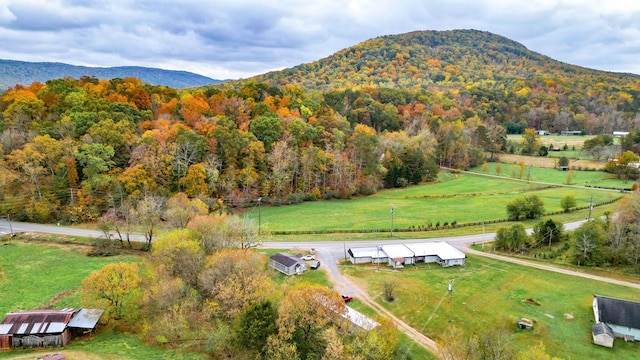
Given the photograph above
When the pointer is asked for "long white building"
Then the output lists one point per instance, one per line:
(398, 255)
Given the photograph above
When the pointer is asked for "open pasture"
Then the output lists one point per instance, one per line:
(33, 275)
(491, 295)
(555, 176)
(461, 198)
(555, 140)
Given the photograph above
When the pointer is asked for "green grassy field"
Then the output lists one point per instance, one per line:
(582, 178)
(32, 275)
(489, 295)
(462, 198)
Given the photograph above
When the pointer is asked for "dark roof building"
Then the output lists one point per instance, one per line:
(287, 264)
(622, 317)
(45, 328)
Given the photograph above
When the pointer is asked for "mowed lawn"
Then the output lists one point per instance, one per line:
(491, 295)
(462, 198)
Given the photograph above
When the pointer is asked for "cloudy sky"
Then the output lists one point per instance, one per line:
(229, 39)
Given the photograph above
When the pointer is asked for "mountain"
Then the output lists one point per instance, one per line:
(20, 72)
(436, 59)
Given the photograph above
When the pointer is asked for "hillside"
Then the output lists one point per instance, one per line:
(436, 59)
(21, 72)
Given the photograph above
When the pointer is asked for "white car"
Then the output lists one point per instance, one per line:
(308, 257)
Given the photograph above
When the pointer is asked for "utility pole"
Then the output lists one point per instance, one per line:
(550, 234)
(10, 227)
(590, 208)
(391, 229)
(450, 289)
(259, 215)
(344, 244)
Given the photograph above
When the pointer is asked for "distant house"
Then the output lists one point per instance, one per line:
(46, 328)
(287, 264)
(615, 318)
(398, 255)
(619, 134)
(571, 133)
(542, 132)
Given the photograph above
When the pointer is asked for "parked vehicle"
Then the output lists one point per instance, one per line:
(347, 298)
(315, 264)
(308, 257)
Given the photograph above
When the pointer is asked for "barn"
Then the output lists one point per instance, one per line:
(287, 264)
(621, 317)
(46, 328)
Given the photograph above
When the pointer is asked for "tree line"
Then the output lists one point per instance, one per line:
(73, 148)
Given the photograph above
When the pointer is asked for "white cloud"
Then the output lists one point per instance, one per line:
(240, 38)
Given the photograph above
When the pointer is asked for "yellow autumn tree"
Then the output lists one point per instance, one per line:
(115, 289)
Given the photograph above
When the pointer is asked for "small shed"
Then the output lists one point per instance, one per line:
(602, 335)
(287, 264)
(46, 328)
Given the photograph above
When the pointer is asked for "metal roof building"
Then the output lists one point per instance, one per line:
(440, 252)
(44, 328)
(398, 255)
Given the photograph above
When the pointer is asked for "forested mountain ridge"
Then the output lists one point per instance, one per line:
(476, 73)
(21, 72)
(434, 59)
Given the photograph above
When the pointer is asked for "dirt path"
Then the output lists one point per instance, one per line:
(343, 282)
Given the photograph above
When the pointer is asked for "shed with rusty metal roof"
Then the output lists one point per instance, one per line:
(45, 328)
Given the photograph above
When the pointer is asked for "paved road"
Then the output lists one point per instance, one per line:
(18, 227)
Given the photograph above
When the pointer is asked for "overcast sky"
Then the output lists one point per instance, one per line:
(241, 38)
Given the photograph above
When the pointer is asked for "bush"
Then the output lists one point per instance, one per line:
(296, 198)
(529, 207)
(388, 291)
(104, 247)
